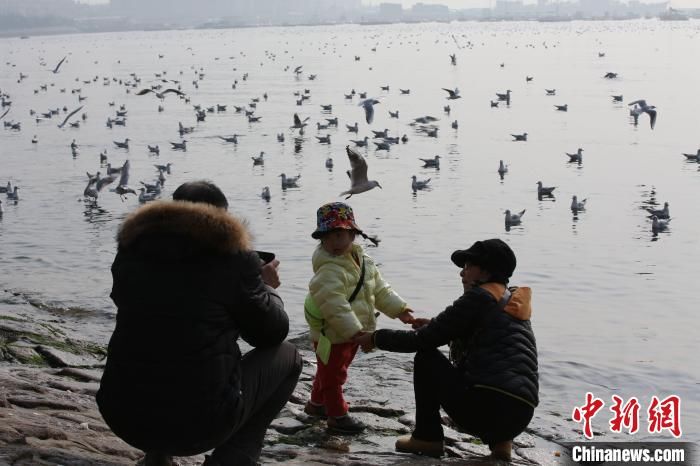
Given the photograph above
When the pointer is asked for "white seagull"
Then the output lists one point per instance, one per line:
(664, 213)
(358, 174)
(658, 225)
(417, 184)
(640, 106)
(368, 105)
(514, 219)
(576, 205)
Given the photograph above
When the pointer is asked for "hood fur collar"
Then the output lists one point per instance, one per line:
(205, 224)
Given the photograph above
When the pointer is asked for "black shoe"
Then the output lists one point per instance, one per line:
(315, 410)
(346, 425)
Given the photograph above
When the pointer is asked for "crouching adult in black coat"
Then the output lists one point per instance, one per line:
(187, 285)
(490, 386)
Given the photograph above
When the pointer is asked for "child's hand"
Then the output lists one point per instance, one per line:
(365, 340)
(406, 316)
(419, 322)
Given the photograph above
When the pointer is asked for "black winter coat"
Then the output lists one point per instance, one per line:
(186, 285)
(500, 348)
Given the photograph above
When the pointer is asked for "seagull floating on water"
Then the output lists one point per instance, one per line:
(562, 108)
(519, 137)
(693, 157)
(514, 219)
(359, 183)
(145, 196)
(431, 163)
(577, 157)
(291, 182)
(361, 142)
(504, 97)
(266, 193)
(179, 145)
(417, 185)
(577, 206)
(164, 168)
(545, 190)
(502, 168)
(661, 213)
(658, 225)
(122, 145)
(13, 195)
(259, 159)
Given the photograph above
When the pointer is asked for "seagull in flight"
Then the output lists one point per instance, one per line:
(453, 93)
(368, 105)
(358, 175)
(63, 123)
(298, 123)
(641, 106)
(55, 70)
(160, 95)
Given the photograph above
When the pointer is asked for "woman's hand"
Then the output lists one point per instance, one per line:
(365, 340)
(419, 322)
(406, 316)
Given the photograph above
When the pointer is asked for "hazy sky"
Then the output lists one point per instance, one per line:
(478, 3)
(489, 3)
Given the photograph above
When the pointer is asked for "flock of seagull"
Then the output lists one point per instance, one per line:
(162, 87)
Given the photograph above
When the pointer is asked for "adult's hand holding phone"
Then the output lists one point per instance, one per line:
(269, 273)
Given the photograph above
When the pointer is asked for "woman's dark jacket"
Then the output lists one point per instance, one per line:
(500, 349)
(186, 285)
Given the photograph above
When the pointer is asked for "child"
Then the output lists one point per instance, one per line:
(343, 293)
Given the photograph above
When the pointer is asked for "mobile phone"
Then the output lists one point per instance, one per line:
(266, 257)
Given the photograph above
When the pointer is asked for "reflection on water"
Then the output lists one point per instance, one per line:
(594, 299)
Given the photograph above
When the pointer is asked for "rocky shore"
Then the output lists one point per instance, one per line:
(48, 414)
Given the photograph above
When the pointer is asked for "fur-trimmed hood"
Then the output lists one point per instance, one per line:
(211, 227)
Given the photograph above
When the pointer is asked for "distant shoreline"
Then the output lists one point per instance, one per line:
(66, 30)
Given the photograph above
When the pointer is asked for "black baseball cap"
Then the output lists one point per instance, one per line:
(492, 255)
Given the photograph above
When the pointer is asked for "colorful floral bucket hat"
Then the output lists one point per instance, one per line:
(333, 216)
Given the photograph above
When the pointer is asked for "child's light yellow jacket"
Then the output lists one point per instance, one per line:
(334, 280)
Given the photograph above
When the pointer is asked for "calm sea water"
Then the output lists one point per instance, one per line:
(613, 303)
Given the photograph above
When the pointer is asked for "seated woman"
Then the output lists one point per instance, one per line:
(490, 388)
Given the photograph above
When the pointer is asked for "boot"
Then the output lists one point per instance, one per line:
(345, 425)
(501, 450)
(315, 410)
(410, 444)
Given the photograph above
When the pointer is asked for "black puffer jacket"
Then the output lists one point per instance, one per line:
(500, 352)
(186, 284)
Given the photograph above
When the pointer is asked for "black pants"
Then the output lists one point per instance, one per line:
(268, 378)
(487, 414)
